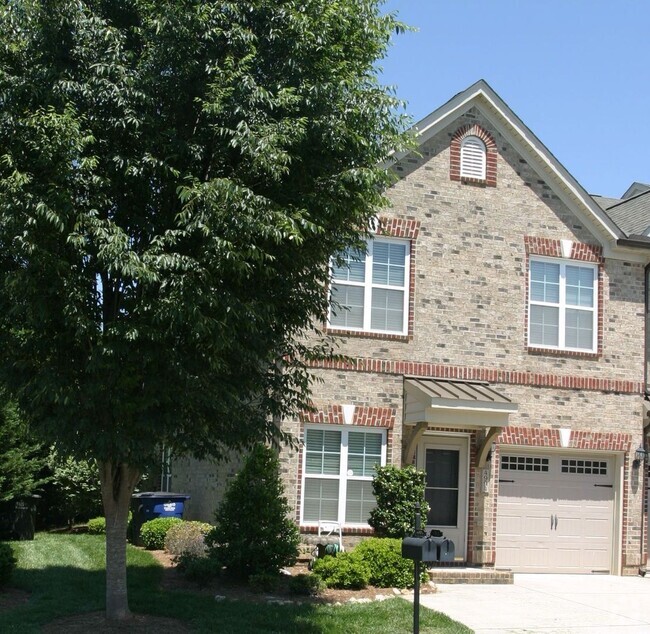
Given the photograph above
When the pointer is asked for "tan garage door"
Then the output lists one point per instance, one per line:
(555, 513)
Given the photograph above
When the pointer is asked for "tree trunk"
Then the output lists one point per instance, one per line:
(118, 482)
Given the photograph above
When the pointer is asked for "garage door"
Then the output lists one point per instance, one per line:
(555, 513)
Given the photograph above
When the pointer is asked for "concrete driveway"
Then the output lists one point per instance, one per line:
(589, 604)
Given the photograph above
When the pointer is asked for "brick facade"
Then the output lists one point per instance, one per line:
(468, 320)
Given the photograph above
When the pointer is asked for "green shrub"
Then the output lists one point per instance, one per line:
(75, 492)
(397, 490)
(346, 571)
(7, 563)
(187, 537)
(153, 532)
(264, 582)
(97, 526)
(21, 457)
(388, 569)
(253, 533)
(306, 585)
(199, 570)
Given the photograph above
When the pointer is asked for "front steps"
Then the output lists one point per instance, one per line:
(470, 575)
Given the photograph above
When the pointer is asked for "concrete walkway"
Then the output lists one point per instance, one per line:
(557, 604)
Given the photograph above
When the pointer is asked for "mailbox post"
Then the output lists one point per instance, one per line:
(416, 584)
(418, 548)
(421, 548)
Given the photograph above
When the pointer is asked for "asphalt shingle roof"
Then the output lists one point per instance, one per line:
(632, 215)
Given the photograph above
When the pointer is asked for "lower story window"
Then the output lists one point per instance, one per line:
(338, 468)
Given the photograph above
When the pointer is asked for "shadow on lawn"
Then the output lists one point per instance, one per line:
(62, 591)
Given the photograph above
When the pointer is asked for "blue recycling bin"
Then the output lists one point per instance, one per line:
(149, 505)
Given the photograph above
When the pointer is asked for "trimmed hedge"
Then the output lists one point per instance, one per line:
(346, 571)
(388, 569)
(306, 585)
(97, 526)
(187, 538)
(153, 532)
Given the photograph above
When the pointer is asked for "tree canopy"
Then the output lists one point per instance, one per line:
(174, 176)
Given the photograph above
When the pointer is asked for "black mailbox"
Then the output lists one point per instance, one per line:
(419, 549)
(445, 547)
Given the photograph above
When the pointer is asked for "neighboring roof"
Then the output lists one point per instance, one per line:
(631, 214)
(450, 393)
(636, 188)
(605, 202)
(529, 146)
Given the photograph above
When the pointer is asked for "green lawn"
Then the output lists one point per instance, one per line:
(65, 575)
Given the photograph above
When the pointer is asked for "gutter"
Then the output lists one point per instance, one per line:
(640, 242)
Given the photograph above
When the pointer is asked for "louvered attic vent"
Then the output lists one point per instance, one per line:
(472, 158)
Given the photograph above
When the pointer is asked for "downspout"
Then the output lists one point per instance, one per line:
(646, 423)
(646, 373)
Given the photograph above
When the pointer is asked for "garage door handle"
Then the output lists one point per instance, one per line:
(556, 522)
(605, 486)
(511, 481)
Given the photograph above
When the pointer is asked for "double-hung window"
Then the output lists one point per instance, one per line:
(563, 305)
(369, 291)
(337, 474)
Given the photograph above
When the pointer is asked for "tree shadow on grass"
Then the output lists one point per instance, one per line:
(58, 592)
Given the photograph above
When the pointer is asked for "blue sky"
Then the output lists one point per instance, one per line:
(575, 71)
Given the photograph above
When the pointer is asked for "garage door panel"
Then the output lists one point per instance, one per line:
(555, 519)
(527, 525)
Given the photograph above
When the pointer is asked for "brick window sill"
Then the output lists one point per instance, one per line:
(569, 354)
(368, 335)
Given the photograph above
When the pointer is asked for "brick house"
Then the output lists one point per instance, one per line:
(494, 331)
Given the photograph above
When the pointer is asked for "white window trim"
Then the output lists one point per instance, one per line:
(368, 286)
(563, 263)
(465, 170)
(342, 477)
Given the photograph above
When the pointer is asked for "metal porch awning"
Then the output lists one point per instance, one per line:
(454, 403)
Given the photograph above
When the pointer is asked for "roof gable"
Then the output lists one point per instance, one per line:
(565, 186)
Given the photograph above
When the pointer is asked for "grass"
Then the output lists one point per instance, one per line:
(65, 576)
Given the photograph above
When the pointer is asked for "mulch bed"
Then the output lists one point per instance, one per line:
(11, 598)
(174, 580)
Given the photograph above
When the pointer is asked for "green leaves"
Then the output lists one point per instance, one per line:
(397, 490)
(173, 180)
(21, 457)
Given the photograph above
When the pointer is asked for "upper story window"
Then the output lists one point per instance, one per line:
(338, 468)
(369, 291)
(473, 158)
(563, 305)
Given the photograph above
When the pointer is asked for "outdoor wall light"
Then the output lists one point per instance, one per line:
(639, 456)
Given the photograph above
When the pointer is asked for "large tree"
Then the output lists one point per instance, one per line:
(174, 175)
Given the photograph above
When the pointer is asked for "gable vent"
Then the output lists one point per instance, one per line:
(472, 158)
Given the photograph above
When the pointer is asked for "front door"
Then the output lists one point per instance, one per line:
(445, 461)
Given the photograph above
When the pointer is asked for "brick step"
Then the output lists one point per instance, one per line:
(470, 575)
